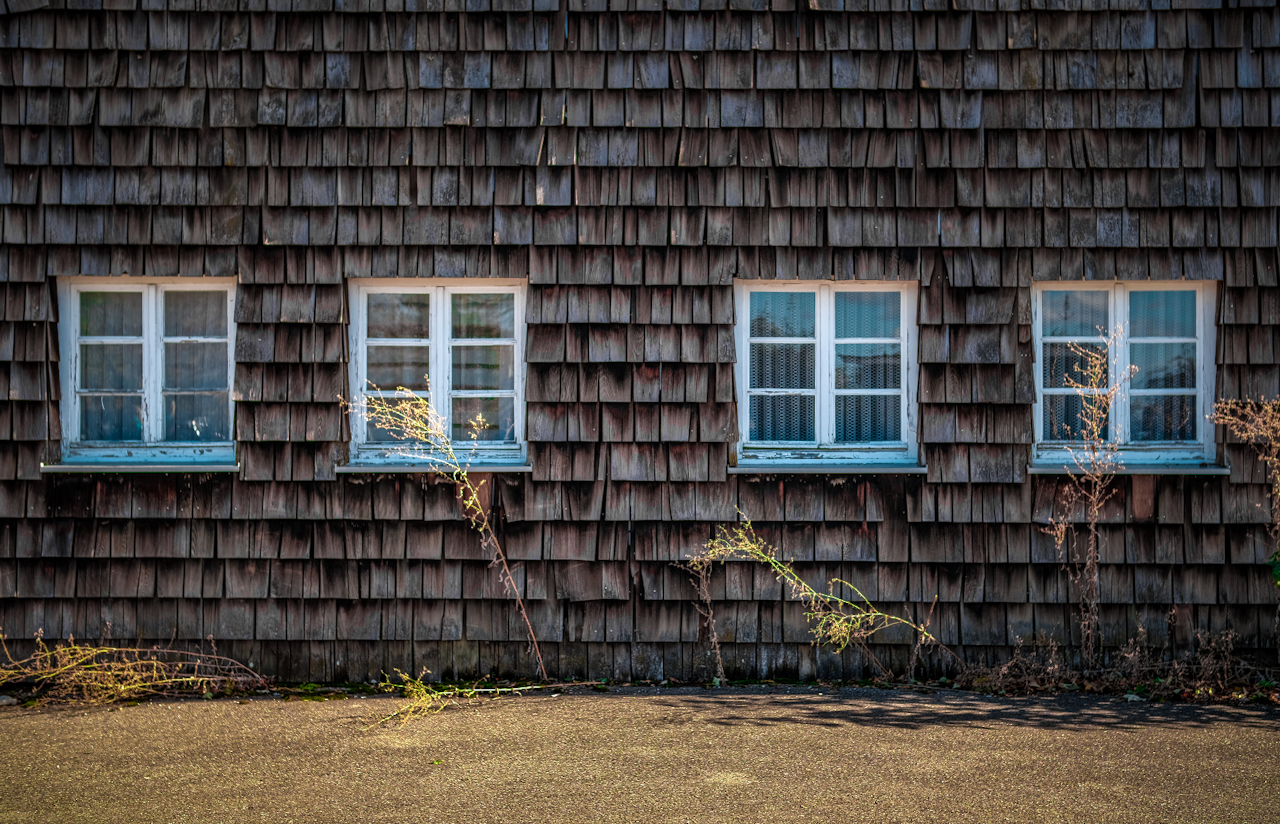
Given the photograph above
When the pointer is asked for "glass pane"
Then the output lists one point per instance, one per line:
(782, 418)
(783, 314)
(1164, 365)
(195, 366)
(782, 365)
(868, 314)
(109, 367)
(1062, 418)
(1162, 314)
(1060, 362)
(376, 434)
(111, 314)
(491, 419)
(868, 366)
(195, 314)
(1162, 418)
(1076, 313)
(484, 367)
(391, 367)
(111, 418)
(484, 316)
(868, 418)
(203, 418)
(399, 316)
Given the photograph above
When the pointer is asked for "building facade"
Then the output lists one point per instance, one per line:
(823, 266)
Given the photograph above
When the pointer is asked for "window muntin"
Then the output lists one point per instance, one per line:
(829, 372)
(458, 347)
(150, 369)
(1165, 330)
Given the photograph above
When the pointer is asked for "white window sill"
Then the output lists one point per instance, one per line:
(425, 468)
(1134, 469)
(137, 468)
(833, 468)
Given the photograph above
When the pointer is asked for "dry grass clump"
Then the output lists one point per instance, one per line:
(1210, 672)
(86, 675)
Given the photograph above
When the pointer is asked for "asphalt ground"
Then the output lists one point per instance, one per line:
(647, 755)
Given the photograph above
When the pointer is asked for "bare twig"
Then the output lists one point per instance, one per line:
(1095, 460)
(1257, 423)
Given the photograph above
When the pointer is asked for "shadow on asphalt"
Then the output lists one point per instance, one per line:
(906, 710)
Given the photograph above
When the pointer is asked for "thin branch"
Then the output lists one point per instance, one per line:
(422, 434)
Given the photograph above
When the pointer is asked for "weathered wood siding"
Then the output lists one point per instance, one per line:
(630, 160)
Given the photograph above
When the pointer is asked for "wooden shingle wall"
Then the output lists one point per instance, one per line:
(630, 160)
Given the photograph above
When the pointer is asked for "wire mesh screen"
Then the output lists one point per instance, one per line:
(1162, 314)
(782, 418)
(868, 418)
(1062, 362)
(1162, 418)
(1062, 421)
(868, 314)
(1076, 313)
(782, 365)
(783, 314)
(1163, 365)
(868, 366)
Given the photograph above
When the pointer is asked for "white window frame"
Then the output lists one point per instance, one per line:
(365, 452)
(152, 448)
(824, 451)
(1203, 450)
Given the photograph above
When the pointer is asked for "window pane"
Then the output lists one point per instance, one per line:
(391, 367)
(498, 424)
(195, 314)
(399, 316)
(1062, 418)
(868, 314)
(376, 434)
(783, 314)
(484, 316)
(1164, 365)
(868, 366)
(111, 367)
(111, 418)
(1162, 418)
(1076, 313)
(484, 367)
(868, 418)
(195, 365)
(204, 417)
(111, 314)
(782, 365)
(1162, 314)
(1060, 363)
(782, 418)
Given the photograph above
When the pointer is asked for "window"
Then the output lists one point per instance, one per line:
(147, 369)
(827, 373)
(1164, 331)
(460, 347)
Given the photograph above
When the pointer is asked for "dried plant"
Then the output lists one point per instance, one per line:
(422, 433)
(837, 621)
(86, 675)
(423, 698)
(1257, 423)
(699, 570)
(1210, 672)
(1094, 461)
